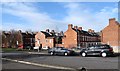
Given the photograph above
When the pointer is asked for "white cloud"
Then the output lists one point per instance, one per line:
(77, 14)
(39, 20)
(9, 26)
(80, 15)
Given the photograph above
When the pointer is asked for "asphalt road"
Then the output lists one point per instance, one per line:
(75, 62)
(13, 66)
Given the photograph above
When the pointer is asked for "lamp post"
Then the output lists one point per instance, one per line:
(38, 44)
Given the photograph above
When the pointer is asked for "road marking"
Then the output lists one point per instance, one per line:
(36, 53)
(36, 64)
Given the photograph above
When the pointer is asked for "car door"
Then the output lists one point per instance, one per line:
(62, 51)
(58, 51)
(90, 50)
(97, 50)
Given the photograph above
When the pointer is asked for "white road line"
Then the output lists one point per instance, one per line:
(36, 53)
(36, 64)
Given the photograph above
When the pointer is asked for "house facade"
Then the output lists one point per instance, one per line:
(28, 39)
(77, 37)
(44, 39)
(111, 34)
(16, 39)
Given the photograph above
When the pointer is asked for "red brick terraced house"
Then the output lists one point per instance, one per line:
(18, 39)
(44, 39)
(75, 37)
(111, 34)
(28, 39)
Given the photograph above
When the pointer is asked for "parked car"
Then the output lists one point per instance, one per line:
(60, 51)
(102, 50)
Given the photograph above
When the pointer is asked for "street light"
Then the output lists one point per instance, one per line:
(38, 44)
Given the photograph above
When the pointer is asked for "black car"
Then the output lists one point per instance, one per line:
(102, 50)
(60, 51)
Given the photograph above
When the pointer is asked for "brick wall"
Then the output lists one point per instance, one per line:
(111, 34)
(70, 38)
(40, 39)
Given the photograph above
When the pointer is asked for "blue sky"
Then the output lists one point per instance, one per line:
(39, 16)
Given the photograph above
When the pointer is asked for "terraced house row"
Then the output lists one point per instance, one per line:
(74, 36)
(15, 39)
(77, 37)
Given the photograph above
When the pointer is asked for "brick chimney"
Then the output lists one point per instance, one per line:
(112, 21)
(93, 31)
(75, 27)
(53, 31)
(70, 26)
(47, 30)
(20, 31)
(79, 28)
(26, 32)
(90, 30)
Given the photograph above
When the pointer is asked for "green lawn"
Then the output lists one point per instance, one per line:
(13, 49)
(8, 49)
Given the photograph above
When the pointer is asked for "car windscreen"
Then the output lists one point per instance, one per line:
(103, 46)
(64, 49)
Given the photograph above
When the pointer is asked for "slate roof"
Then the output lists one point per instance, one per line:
(86, 32)
(47, 34)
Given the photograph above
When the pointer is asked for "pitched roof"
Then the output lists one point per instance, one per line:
(46, 34)
(86, 32)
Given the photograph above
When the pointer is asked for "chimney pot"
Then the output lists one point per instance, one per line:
(47, 30)
(79, 28)
(90, 30)
(20, 31)
(112, 21)
(75, 27)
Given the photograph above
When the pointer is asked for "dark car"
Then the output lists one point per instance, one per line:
(102, 50)
(60, 51)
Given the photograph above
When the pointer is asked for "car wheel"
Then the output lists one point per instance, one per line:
(104, 54)
(84, 54)
(65, 53)
(51, 53)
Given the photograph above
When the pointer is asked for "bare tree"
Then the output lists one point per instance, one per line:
(18, 37)
(4, 40)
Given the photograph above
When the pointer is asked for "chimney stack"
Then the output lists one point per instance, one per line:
(47, 30)
(70, 26)
(20, 31)
(91, 31)
(112, 21)
(79, 28)
(75, 27)
(53, 31)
